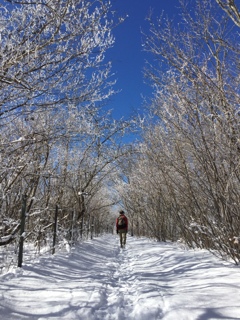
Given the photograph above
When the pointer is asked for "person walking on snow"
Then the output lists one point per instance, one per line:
(122, 227)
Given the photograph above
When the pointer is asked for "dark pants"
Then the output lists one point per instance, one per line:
(122, 236)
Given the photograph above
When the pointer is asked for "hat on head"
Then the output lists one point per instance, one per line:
(121, 212)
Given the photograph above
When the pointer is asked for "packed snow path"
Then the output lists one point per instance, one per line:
(100, 281)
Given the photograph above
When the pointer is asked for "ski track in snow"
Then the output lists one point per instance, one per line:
(99, 281)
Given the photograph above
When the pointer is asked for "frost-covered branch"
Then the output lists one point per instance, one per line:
(232, 10)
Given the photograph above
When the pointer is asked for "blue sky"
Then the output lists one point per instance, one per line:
(127, 56)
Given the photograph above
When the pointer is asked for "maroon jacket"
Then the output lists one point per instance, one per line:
(125, 227)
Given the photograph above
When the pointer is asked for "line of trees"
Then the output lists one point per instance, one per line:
(58, 146)
(184, 183)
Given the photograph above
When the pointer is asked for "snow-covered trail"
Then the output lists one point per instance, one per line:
(100, 281)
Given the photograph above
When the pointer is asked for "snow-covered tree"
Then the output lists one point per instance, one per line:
(52, 54)
(192, 140)
(55, 139)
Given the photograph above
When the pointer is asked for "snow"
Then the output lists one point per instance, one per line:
(147, 280)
